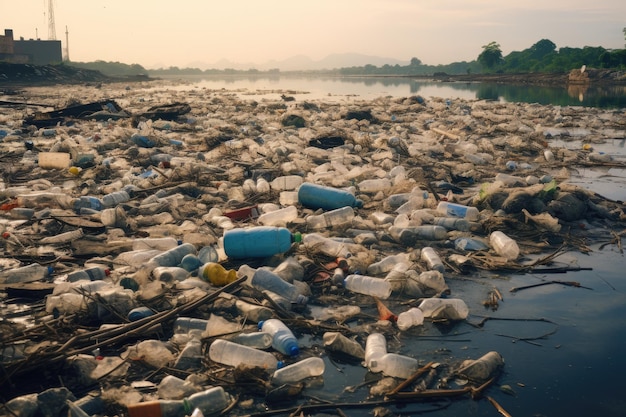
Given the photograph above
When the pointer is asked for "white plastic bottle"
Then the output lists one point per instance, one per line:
(444, 308)
(396, 366)
(375, 348)
(257, 340)
(387, 263)
(364, 284)
(233, 354)
(318, 243)
(432, 259)
(160, 243)
(504, 245)
(280, 217)
(298, 371)
(90, 274)
(412, 317)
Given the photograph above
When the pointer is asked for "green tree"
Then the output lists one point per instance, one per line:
(491, 56)
(415, 62)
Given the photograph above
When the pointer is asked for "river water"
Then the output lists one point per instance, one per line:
(563, 346)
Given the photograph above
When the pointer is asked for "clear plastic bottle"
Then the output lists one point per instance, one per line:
(115, 198)
(409, 236)
(395, 365)
(316, 196)
(189, 324)
(504, 245)
(374, 185)
(253, 312)
(458, 210)
(233, 354)
(28, 273)
(264, 279)
(92, 274)
(170, 273)
(286, 182)
(257, 340)
(432, 259)
(444, 308)
(160, 243)
(412, 317)
(375, 348)
(216, 274)
(364, 284)
(333, 218)
(258, 242)
(280, 217)
(210, 401)
(387, 263)
(470, 244)
(298, 371)
(452, 223)
(283, 339)
(171, 257)
(191, 355)
(333, 248)
(337, 342)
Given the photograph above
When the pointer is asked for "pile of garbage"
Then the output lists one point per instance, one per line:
(192, 253)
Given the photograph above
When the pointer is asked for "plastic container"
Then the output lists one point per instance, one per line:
(139, 313)
(470, 244)
(253, 312)
(409, 236)
(191, 356)
(171, 257)
(458, 210)
(367, 285)
(306, 368)
(283, 340)
(189, 324)
(264, 279)
(412, 317)
(258, 242)
(432, 259)
(115, 198)
(210, 401)
(504, 245)
(444, 308)
(333, 248)
(280, 217)
(191, 262)
(233, 354)
(170, 273)
(395, 365)
(549, 155)
(337, 217)
(286, 183)
(92, 274)
(315, 196)
(160, 243)
(28, 273)
(142, 141)
(374, 185)
(216, 274)
(452, 223)
(257, 340)
(375, 348)
(387, 264)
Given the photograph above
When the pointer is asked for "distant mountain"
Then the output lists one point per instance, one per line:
(303, 63)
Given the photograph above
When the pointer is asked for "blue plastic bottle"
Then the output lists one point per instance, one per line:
(283, 340)
(316, 196)
(171, 257)
(258, 242)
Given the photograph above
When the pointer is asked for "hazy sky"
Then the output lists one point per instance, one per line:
(163, 33)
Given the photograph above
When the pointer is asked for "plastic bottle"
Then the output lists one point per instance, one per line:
(87, 202)
(504, 245)
(333, 248)
(332, 218)
(549, 155)
(283, 340)
(317, 196)
(458, 210)
(452, 223)
(470, 244)
(298, 371)
(28, 273)
(191, 262)
(412, 317)
(257, 340)
(258, 242)
(233, 354)
(432, 259)
(395, 365)
(45, 199)
(253, 312)
(367, 285)
(286, 182)
(91, 274)
(409, 236)
(171, 257)
(115, 198)
(189, 324)
(160, 243)
(170, 273)
(142, 141)
(374, 185)
(191, 355)
(280, 217)
(375, 348)
(139, 313)
(387, 264)
(264, 279)
(209, 401)
(444, 308)
(216, 274)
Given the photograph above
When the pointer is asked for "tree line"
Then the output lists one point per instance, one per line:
(542, 57)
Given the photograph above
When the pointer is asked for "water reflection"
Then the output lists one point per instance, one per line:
(613, 96)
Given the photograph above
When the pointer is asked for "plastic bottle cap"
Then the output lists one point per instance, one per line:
(297, 237)
(358, 203)
(260, 325)
(50, 270)
(107, 272)
(280, 364)
(294, 351)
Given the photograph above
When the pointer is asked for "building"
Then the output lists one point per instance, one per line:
(31, 51)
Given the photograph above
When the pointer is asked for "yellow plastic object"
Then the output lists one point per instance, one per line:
(217, 275)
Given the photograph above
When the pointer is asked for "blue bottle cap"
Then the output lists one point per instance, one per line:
(260, 325)
(50, 270)
(294, 350)
(280, 364)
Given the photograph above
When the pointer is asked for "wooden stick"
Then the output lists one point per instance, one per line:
(498, 407)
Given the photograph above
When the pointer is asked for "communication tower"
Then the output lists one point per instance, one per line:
(52, 32)
(67, 45)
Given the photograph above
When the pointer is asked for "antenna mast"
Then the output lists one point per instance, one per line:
(67, 45)
(52, 32)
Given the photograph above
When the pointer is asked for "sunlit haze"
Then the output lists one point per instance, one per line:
(199, 33)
